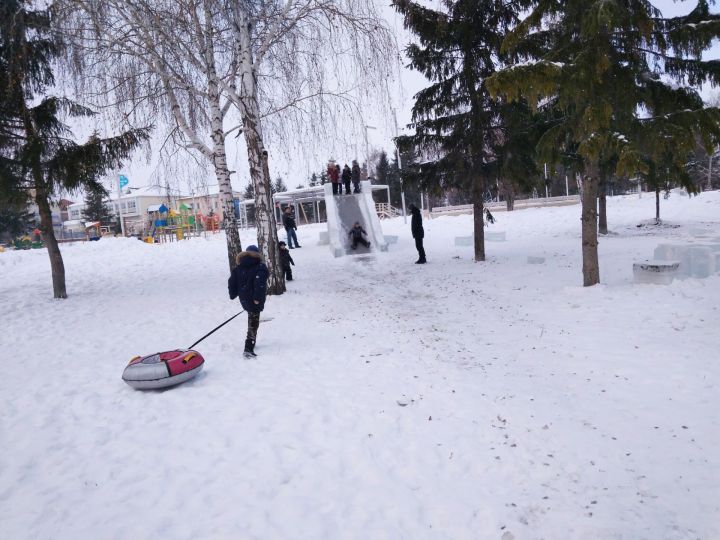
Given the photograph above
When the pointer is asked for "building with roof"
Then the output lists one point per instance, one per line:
(206, 200)
(133, 204)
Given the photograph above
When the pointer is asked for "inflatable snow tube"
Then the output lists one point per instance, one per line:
(163, 369)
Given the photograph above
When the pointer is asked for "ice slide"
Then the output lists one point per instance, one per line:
(342, 213)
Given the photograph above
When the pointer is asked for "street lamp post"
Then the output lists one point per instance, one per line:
(367, 150)
(122, 223)
(397, 153)
(195, 212)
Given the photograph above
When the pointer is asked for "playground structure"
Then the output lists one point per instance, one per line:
(342, 213)
(168, 225)
(26, 242)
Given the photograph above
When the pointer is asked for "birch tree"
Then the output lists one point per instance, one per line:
(159, 58)
(216, 67)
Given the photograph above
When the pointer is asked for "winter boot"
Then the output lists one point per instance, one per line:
(249, 349)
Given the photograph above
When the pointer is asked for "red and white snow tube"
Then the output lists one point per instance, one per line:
(163, 369)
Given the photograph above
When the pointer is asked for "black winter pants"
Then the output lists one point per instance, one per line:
(288, 273)
(337, 188)
(359, 240)
(253, 325)
(420, 249)
(347, 187)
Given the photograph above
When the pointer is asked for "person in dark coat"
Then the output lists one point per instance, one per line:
(418, 233)
(286, 260)
(338, 175)
(356, 176)
(248, 281)
(290, 227)
(346, 178)
(356, 235)
(333, 174)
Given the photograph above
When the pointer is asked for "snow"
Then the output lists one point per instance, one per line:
(453, 400)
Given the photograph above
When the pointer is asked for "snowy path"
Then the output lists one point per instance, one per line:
(390, 400)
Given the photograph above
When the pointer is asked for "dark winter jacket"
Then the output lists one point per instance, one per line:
(285, 258)
(357, 232)
(333, 174)
(249, 281)
(416, 225)
(356, 173)
(289, 221)
(346, 175)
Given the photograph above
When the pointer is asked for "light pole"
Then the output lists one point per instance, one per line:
(195, 212)
(367, 150)
(397, 153)
(122, 180)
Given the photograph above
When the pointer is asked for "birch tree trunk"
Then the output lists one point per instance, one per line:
(257, 154)
(589, 193)
(657, 206)
(222, 173)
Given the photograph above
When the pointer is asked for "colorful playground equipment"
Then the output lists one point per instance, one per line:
(167, 225)
(26, 242)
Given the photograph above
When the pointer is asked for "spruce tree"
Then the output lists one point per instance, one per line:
(249, 192)
(95, 207)
(14, 220)
(388, 173)
(278, 186)
(382, 168)
(37, 151)
(459, 129)
(609, 66)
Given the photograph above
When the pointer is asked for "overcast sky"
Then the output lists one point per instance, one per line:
(296, 168)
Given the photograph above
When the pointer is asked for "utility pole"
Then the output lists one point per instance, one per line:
(397, 153)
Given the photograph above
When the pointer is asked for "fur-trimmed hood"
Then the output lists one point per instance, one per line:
(248, 258)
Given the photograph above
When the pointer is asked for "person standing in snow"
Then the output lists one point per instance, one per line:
(334, 176)
(290, 227)
(356, 176)
(416, 227)
(356, 233)
(346, 177)
(286, 260)
(248, 281)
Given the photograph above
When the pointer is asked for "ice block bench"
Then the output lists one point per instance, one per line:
(654, 271)
(490, 236)
(698, 260)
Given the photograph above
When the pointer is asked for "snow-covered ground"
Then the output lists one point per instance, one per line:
(390, 400)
